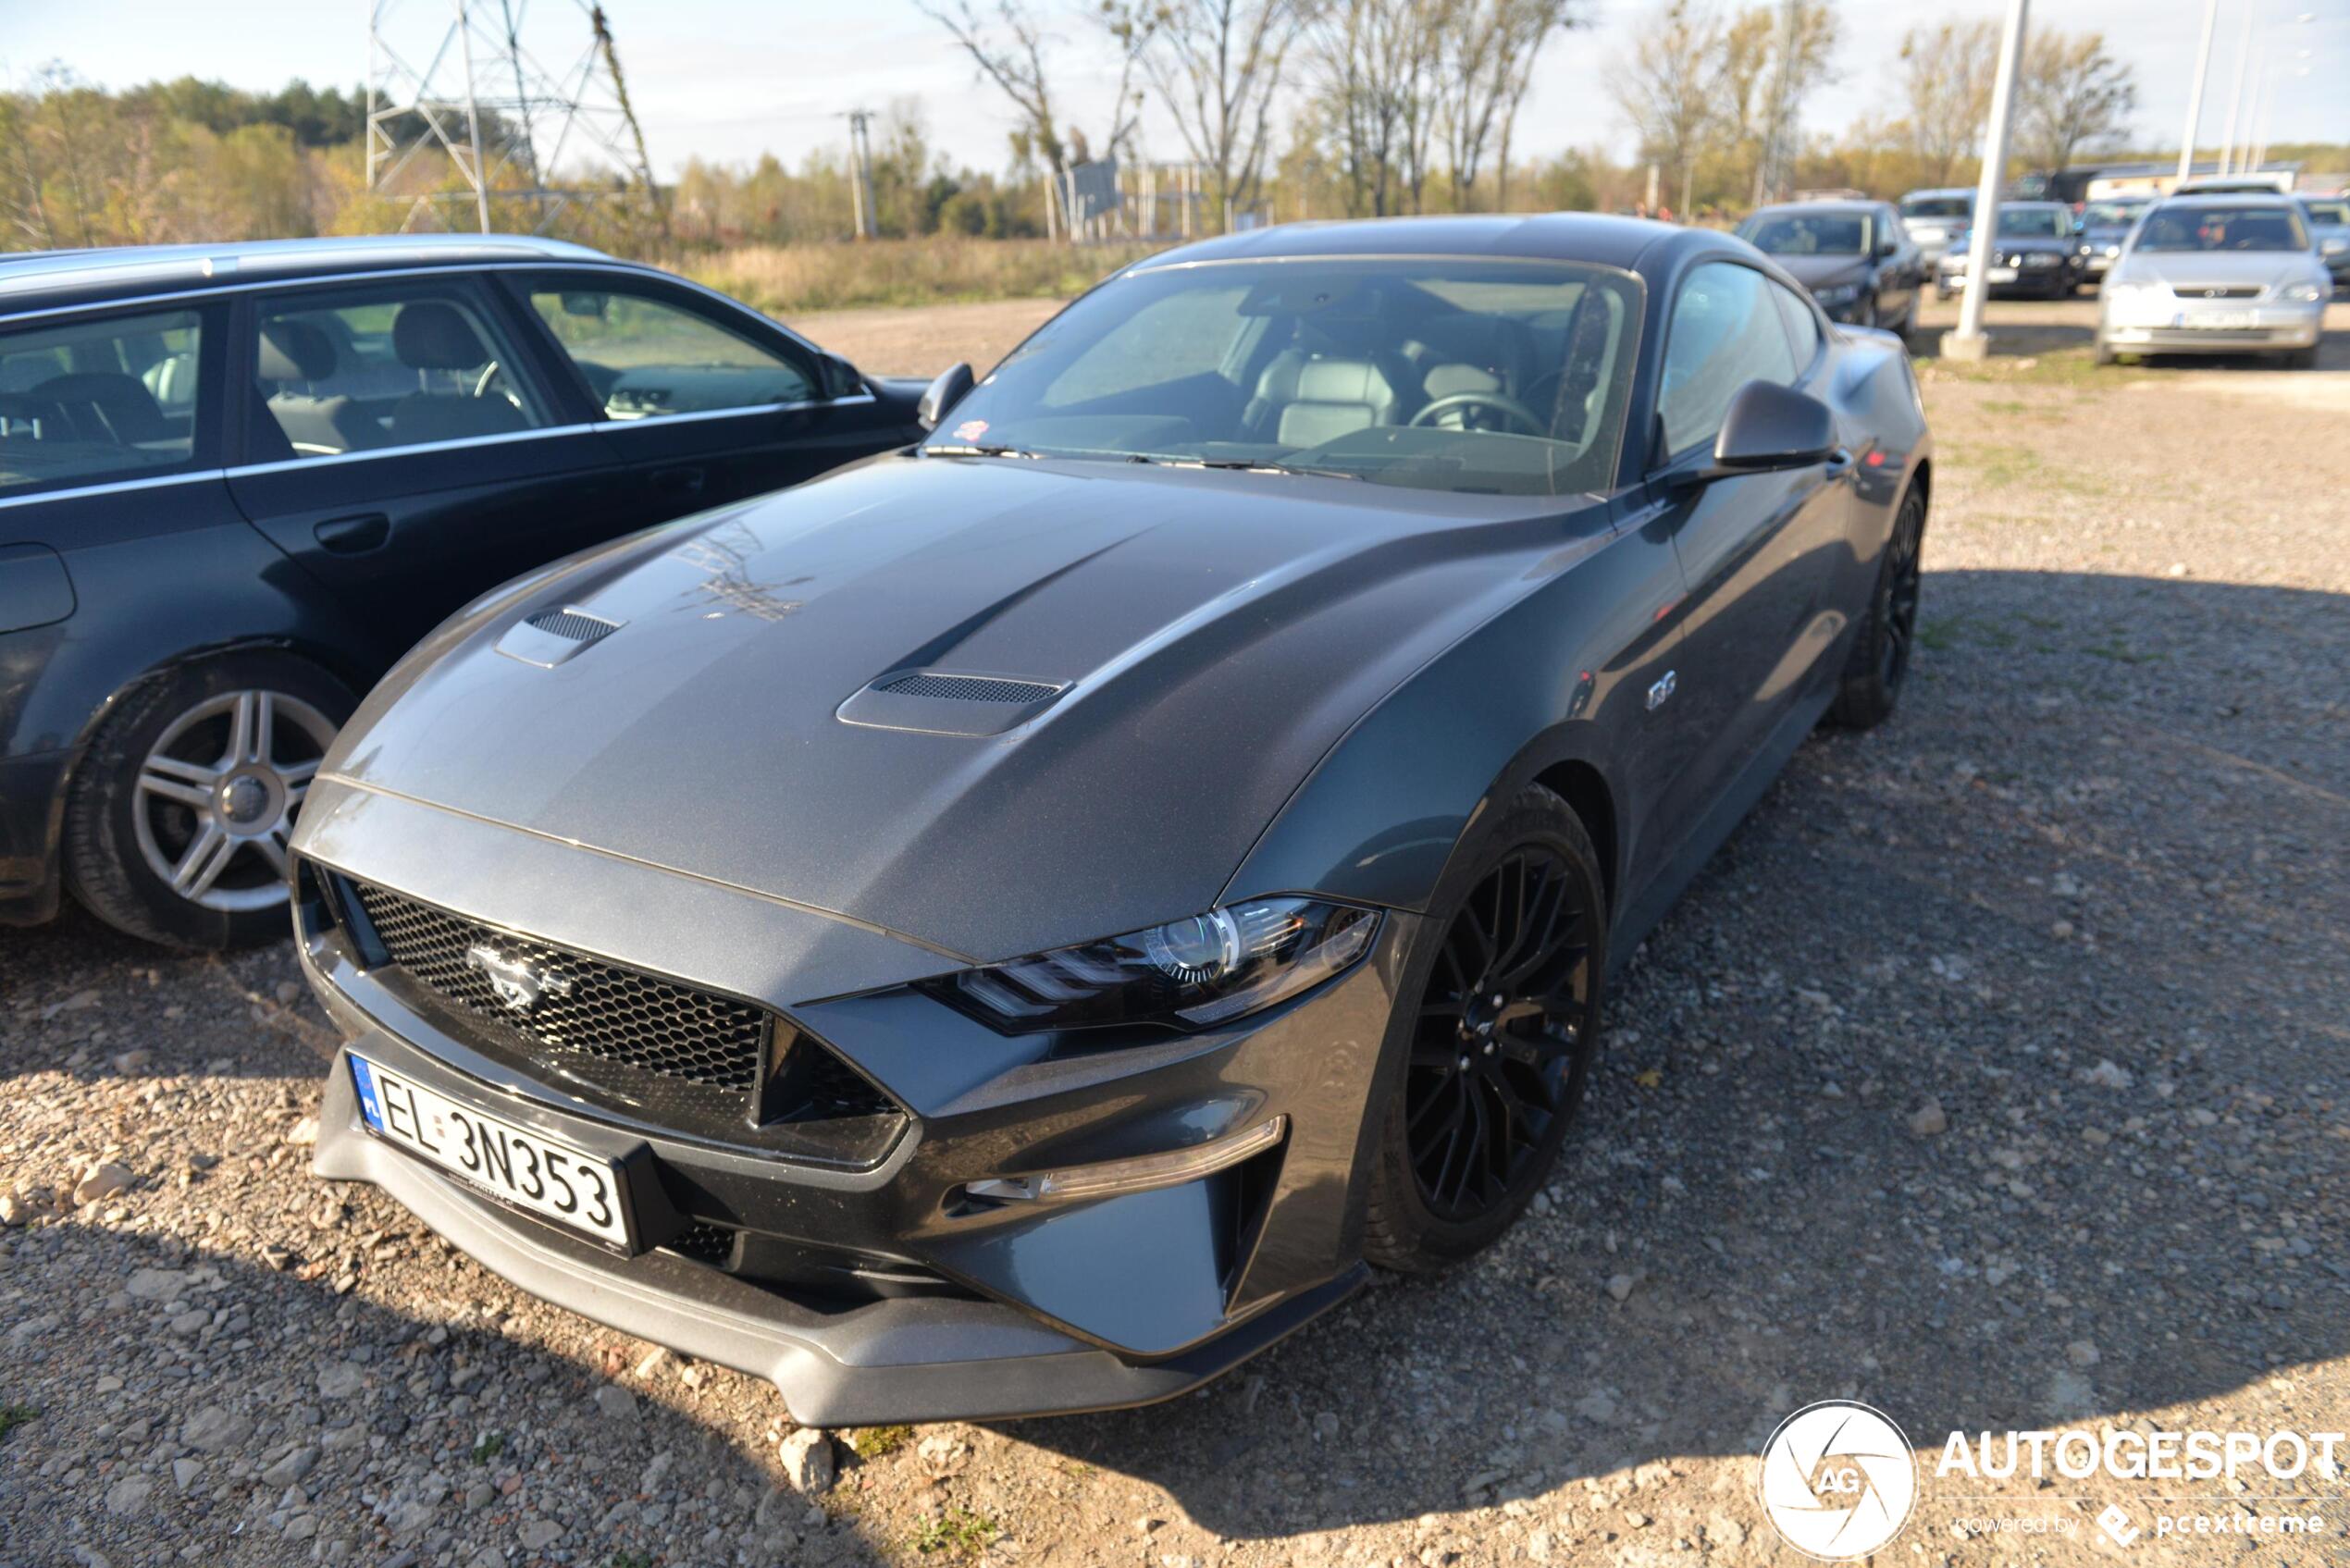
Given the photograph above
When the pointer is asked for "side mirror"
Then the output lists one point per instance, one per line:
(953, 385)
(1770, 427)
(841, 379)
(1888, 247)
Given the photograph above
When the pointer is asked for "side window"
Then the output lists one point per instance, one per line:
(1725, 332)
(644, 357)
(371, 370)
(113, 398)
(1802, 327)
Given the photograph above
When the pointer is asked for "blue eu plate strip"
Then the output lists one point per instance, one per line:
(364, 1077)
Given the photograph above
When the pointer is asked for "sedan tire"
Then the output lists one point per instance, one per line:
(1501, 1024)
(1879, 662)
(180, 814)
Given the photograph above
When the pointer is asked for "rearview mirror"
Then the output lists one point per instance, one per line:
(953, 385)
(1771, 426)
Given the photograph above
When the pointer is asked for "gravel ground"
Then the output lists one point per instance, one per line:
(1993, 1074)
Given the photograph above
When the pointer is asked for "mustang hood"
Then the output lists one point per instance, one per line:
(1202, 639)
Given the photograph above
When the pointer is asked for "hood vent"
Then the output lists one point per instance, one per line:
(550, 636)
(970, 688)
(950, 702)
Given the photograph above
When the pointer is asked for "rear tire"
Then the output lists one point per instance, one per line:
(178, 818)
(1879, 662)
(1488, 1090)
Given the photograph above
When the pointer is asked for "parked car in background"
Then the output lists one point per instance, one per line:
(2216, 274)
(1932, 216)
(2104, 223)
(1855, 257)
(1172, 858)
(2328, 218)
(2036, 251)
(237, 482)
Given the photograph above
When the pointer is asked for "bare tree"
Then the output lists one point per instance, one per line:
(1488, 66)
(1217, 65)
(1377, 64)
(1801, 40)
(2073, 95)
(1012, 48)
(1670, 87)
(1946, 83)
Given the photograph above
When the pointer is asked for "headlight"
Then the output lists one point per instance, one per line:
(2303, 294)
(1841, 294)
(2041, 258)
(2113, 250)
(1199, 972)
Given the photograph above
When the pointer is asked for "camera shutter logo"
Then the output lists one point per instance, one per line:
(1838, 1480)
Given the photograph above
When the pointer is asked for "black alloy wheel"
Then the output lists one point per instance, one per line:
(1879, 662)
(1498, 1029)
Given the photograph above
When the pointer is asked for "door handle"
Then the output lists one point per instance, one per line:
(1839, 463)
(686, 481)
(354, 536)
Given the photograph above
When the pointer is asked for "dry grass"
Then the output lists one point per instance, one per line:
(787, 280)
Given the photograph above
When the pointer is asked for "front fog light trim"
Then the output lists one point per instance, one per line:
(1110, 1177)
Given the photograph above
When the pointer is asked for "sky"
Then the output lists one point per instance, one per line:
(728, 79)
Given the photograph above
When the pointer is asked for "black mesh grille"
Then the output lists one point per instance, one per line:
(970, 688)
(572, 625)
(584, 1004)
(704, 1243)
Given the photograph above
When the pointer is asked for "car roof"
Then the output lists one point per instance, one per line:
(1938, 191)
(108, 272)
(1598, 238)
(1838, 204)
(2277, 199)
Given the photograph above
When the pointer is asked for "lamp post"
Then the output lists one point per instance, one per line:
(2194, 94)
(1968, 341)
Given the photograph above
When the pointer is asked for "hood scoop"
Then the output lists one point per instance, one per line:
(949, 703)
(550, 636)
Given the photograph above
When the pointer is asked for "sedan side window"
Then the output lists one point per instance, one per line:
(113, 398)
(376, 369)
(644, 357)
(1724, 333)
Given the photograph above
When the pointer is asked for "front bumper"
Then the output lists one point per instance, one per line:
(2216, 327)
(872, 1292)
(2028, 282)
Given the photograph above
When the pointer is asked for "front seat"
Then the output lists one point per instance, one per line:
(430, 335)
(1311, 400)
(292, 356)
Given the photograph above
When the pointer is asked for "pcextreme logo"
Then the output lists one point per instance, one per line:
(1837, 1480)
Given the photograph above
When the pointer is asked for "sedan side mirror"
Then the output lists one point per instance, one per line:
(841, 379)
(953, 385)
(1770, 427)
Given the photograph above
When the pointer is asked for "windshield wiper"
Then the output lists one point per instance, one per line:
(1258, 465)
(979, 450)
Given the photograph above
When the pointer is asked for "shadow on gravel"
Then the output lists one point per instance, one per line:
(2084, 900)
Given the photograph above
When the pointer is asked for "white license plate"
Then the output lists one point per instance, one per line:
(2218, 320)
(566, 1185)
(1999, 275)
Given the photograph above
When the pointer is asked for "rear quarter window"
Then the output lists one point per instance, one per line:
(96, 400)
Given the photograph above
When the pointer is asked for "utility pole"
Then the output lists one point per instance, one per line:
(1968, 341)
(2235, 98)
(860, 171)
(2194, 94)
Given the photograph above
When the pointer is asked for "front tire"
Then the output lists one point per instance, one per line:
(1503, 1028)
(2302, 359)
(180, 814)
(1879, 662)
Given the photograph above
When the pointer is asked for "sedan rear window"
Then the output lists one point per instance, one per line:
(1810, 234)
(113, 398)
(1468, 375)
(2199, 227)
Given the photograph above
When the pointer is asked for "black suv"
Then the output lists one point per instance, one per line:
(237, 483)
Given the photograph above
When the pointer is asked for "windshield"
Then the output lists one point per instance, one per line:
(2335, 214)
(1810, 234)
(1466, 375)
(2112, 214)
(1938, 206)
(2034, 223)
(2202, 228)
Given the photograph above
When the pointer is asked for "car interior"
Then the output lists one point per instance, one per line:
(378, 374)
(97, 397)
(1494, 380)
(2220, 228)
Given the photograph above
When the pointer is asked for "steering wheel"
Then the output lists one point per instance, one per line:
(1516, 413)
(489, 382)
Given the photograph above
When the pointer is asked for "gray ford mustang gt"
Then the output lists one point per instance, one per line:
(1025, 922)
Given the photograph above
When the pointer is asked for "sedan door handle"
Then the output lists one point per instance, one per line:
(680, 481)
(1838, 460)
(354, 536)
